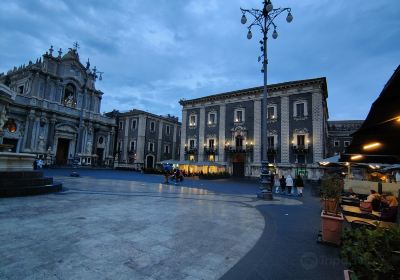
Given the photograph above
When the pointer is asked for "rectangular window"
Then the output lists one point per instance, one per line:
(336, 143)
(192, 120)
(300, 140)
(21, 89)
(134, 123)
(166, 149)
(239, 116)
(211, 143)
(133, 145)
(151, 147)
(191, 144)
(121, 125)
(119, 146)
(346, 143)
(152, 126)
(211, 118)
(271, 113)
(168, 130)
(301, 158)
(271, 142)
(300, 110)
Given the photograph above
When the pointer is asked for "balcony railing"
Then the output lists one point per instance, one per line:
(300, 149)
(239, 149)
(190, 150)
(210, 150)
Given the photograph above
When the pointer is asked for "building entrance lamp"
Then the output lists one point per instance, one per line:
(264, 19)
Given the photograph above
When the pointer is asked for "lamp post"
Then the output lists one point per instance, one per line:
(264, 19)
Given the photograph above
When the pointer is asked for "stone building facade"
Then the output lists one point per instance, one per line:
(56, 111)
(145, 139)
(339, 135)
(224, 130)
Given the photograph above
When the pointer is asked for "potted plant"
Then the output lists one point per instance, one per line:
(372, 254)
(332, 221)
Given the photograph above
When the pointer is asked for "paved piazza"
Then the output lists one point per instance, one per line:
(110, 228)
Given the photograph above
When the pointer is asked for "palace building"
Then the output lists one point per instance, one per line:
(222, 132)
(145, 140)
(56, 111)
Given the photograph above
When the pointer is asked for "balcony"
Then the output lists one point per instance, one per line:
(190, 150)
(210, 150)
(272, 150)
(300, 149)
(239, 149)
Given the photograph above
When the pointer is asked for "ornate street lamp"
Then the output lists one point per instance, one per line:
(264, 19)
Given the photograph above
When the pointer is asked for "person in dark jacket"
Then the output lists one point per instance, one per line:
(299, 185)
(282, 183)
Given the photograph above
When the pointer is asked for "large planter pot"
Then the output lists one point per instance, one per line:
(332, 225)
(329, 205)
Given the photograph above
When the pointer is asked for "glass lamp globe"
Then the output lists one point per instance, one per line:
(289, 17)
(274, 34)
(249, 35)
(243, 20)
(269, 7)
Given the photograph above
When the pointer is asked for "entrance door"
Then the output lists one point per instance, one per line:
(62, 151)
(238, 165)
(150, 162)
(12, 142)
(100, 152)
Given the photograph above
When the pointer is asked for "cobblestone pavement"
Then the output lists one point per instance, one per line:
(124, 225)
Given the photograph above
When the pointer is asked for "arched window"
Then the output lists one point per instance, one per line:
(70, 96)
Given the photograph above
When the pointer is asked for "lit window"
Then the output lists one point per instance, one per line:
(239, 116)
(192, 120)
(212, 118)
(191, 157)
(271, 113)
(211, 158)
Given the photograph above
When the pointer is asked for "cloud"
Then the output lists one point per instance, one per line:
(154, 53)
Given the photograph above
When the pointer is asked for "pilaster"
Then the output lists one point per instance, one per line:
(285, 137)
(221, 132)
(159, 141)
(317, 124)
(183, 134)
(141, 139)
(202, 119)
(257, 132)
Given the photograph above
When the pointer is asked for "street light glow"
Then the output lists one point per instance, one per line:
(372, 146)
(356, 157)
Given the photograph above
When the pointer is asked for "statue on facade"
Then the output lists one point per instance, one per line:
(69, 101)
(89, 147)
(41, 144)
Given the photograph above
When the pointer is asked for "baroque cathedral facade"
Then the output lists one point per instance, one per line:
(56, 111)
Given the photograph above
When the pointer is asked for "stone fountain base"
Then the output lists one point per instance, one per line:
(17, 177)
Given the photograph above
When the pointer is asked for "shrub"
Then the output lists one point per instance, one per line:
(331, 186)
(370, 253)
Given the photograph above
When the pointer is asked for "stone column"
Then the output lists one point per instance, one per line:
(200, 147)
(125, 143)
(173, 148)
(159, 142)
(141, 139)
(285, 136)
(29, 134)
(183, 134)
(257, 132)
(221, 133)
(317, 124)
(51, 132)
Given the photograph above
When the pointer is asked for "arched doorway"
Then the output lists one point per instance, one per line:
(150, 161)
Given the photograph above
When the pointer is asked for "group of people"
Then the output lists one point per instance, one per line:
(175, 175)
(289, 185)
(386, 203)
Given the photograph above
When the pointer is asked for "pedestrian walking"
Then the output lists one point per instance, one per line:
(277, 183)
(289, 183)
(299, 185)
(282, 183)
